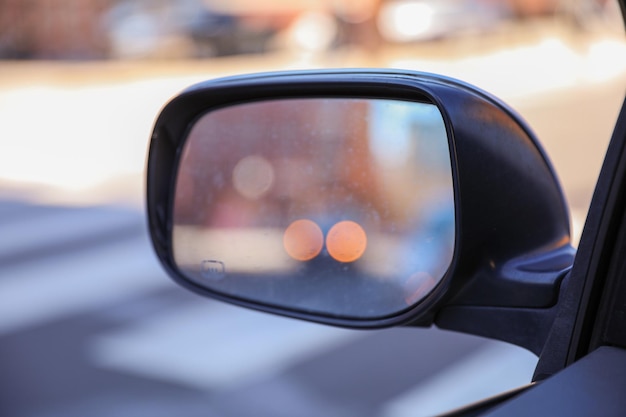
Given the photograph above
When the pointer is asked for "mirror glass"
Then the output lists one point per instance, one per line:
(339, 206)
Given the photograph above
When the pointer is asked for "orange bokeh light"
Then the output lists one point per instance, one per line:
(346, 241)
(303, 240)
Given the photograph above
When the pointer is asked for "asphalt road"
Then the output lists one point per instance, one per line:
(91, 326)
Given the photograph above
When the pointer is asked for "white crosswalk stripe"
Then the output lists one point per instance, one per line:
(495, 369)
(211, 346)
(61, 286)
(59, 226)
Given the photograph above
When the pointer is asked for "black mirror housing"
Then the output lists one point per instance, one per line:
(512, 238)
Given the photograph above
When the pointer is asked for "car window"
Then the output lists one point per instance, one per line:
(89, 322)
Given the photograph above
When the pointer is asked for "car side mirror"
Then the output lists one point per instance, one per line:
(358, 198)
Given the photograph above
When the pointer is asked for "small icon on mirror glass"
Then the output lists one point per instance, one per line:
(213, 270)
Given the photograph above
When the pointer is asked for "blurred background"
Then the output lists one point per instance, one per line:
(89, 323)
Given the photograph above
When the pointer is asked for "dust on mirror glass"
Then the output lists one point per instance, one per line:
(338, 206)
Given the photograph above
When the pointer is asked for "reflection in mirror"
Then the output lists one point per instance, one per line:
(339, 206)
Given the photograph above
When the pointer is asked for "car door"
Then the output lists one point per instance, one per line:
(586, 346)
(582, 369)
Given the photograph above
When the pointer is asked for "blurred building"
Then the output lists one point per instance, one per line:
(52, 29)
(138, 29)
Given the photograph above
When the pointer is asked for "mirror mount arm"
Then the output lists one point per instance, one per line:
(526, 327)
